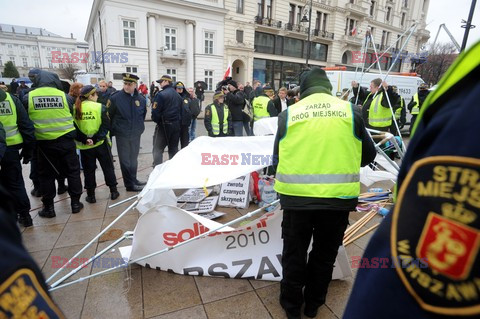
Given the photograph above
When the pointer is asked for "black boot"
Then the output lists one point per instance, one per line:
(48, 211)
(91, 196)
(114, 193)
(76, 205)
(36, 191)
(62, 188)
(25, 219)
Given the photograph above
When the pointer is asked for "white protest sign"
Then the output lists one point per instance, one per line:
(205, 206)
(252, 251)
(235, 192)
(194, 195)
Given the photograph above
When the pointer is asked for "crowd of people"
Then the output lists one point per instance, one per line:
(46, 126)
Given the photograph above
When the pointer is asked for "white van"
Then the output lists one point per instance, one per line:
(85, 78)
(407, 83)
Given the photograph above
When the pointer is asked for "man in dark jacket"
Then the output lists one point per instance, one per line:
(166, 112)
(186, 115)
(50, 110)
(19, 136)
(13, 86)
(235, 100)
(195, 109)
(379, 116)
(218, 120)
(281, 102)
(127, 110)
(318, 182)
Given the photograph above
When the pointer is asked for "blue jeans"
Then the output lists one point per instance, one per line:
(238, 128)
(193, 126)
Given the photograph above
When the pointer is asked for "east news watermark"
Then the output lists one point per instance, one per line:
(93, 56)
(360, 57)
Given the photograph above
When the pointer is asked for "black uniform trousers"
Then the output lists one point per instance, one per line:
(34, 175)
(58, 158)
(166, 133)
(11, 178)
(327, 228)
(184, 135)
(89, 159)
(128, 148)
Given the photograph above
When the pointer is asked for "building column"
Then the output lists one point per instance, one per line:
(190, 48)
(152, 49)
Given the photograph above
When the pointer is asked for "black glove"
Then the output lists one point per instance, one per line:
(26, 154)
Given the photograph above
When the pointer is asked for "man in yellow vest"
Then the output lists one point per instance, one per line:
(375, 108)
(50, 110)
(416, 103)
(263, 105)
(19, 136)
(218, 120)
(321, 143)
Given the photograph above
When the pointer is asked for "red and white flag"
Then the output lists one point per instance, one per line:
(354, 31)
(228, 72)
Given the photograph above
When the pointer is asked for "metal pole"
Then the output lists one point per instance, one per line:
(101, 43)
(248, 215)
(95, 239)
(309, 29)
(123, 201)
(94, 51)
(468, 26)
(126, 235)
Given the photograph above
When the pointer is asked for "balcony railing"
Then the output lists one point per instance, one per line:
(268, 22)
(323, 34)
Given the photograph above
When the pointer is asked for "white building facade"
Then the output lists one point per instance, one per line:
(266, 40)
(30, 47)
(181, 38)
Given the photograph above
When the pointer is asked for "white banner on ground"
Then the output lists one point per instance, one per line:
(252, 251)
(235, 193)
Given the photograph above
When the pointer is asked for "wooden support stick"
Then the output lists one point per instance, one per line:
(355, 225)
(360, 235)
(359, 226)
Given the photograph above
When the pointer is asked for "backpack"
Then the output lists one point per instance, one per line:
(247, 110)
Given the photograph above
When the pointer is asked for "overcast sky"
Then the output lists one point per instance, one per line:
(69, 16)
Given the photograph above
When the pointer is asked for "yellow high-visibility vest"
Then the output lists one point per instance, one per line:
(260, 107)
(319, 156)
(8, 117)
(216, 121)
(48, 109)
(90, 122)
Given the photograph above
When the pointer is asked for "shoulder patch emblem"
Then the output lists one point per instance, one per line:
(137, 103)
(22, 296)
(437, 220)
(108, 103)
(185, 101)
(207, 112)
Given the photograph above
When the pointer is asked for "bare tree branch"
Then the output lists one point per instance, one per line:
(68, 71)
(439, 60)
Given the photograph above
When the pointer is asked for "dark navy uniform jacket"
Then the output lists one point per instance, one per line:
(22, 286)
(167, 105)
(435, 220)
(127, 113)
(3, 141)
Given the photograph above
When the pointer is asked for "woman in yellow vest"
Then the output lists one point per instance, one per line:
(92, 125)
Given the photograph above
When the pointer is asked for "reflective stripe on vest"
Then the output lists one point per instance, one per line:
(8, 117)
(90, 122)
(260, 107)
(48, 109)
(416, 107)
(379, 116)
(216, 121)
(319, 167)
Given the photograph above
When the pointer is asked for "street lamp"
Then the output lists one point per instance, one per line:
(309, 20)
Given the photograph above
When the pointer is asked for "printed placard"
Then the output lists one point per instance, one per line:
(235, 192)
(194, 195)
